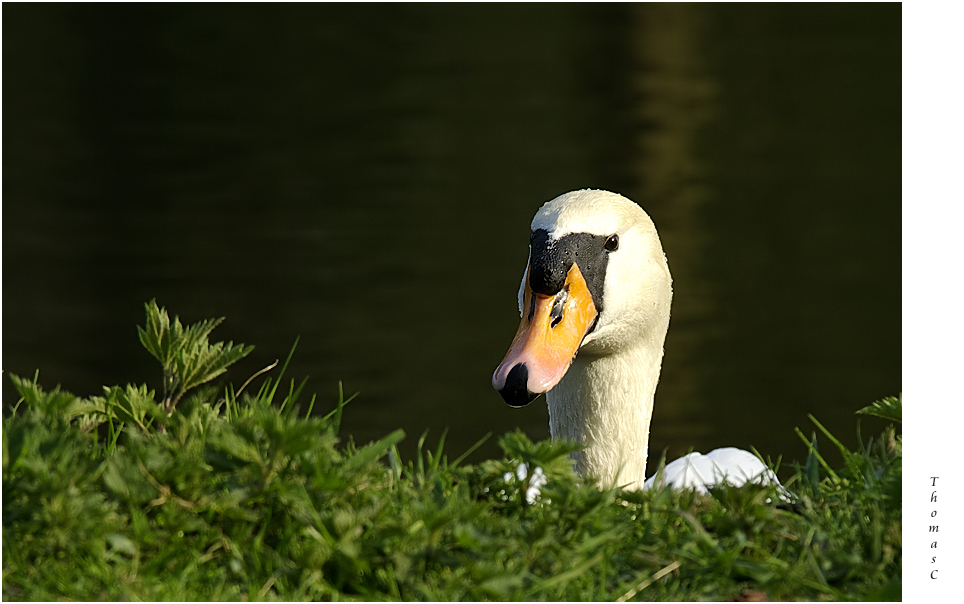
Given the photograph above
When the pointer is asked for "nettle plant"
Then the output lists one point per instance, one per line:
(187, 358)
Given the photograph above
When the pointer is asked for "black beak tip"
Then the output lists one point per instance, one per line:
(515, 392)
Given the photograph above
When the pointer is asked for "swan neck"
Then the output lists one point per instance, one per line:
(606, 403)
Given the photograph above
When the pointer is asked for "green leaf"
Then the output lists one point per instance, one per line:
(236, 444)
(187, 357)
(811, 470)
(56, 402)
(120, 543)
(886, 408)
(133, 404)
(160, 337)
(373, 451)
(201, 362)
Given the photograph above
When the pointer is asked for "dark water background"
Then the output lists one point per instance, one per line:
(363, 176)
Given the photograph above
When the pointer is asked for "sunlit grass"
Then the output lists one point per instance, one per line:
(208, 494)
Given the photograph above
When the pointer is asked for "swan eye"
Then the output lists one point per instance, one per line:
(612, 244)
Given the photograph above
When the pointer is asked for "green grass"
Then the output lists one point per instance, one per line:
(210, 494)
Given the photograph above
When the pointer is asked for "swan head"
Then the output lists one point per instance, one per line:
(596, 284)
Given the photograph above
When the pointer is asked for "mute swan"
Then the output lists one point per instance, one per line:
(595, 301)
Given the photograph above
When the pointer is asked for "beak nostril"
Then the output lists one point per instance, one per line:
(559, 306)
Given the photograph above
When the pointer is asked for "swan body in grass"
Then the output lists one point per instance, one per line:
(595, 305)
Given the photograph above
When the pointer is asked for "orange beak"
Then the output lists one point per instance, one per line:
(551, 331)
